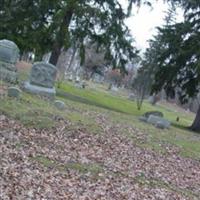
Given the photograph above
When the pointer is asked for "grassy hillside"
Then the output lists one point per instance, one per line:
(34, 111)
(121, 104)
(96, 140)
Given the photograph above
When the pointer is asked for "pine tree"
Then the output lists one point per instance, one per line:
(53, 25)
(177, 62)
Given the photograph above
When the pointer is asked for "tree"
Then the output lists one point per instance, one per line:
(141, 86)
(26, 23)
(54, 25)
(177, 64)
(94, 60)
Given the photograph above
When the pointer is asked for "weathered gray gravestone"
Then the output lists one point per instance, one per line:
(9, 54)
(14, 92)
(42, 79)
(59, 104)
(158, 121)
(132, 97)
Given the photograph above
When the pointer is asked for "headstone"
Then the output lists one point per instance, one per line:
(151, 100)
(9, 54)
(78, 85)
(114, 88)
(83, 83)
(155, 120)
(70, 78)
(131, 97)
(155, 113)
(143, 119)
(77, 80)
(42, 79)
(59, 104)
(14, 92)
(160, 125)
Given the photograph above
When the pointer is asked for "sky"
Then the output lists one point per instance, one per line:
(144, 20)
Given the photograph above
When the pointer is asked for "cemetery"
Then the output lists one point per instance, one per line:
(78, 121)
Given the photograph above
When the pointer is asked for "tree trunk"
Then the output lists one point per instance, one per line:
(196, 124)
(55, 54)
(60, 37)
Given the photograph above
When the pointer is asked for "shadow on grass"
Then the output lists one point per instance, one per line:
(72, 97)
(179, 126)
(185, 128)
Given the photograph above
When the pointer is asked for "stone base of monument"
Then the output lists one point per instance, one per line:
(43, 91)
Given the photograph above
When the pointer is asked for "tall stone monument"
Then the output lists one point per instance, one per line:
(42, 79)
(9, 54)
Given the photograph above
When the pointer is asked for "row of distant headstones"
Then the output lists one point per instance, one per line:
(42, 76)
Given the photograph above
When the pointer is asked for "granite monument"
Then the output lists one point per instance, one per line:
(42, 79)
(9, 55)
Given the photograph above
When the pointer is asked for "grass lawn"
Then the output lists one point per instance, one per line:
(123, 105)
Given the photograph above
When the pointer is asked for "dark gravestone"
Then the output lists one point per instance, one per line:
(9, 54)
(155, 113)
(42, 79)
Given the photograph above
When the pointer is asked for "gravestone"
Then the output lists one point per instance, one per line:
(132, 97)
(158, 121)
(161, 125)
(70, 78)
(143, 119)
(155, 113)
(77, 80)
(9, 54)
(42, 79)
(59, 104)
(114, 88)
(14, 92)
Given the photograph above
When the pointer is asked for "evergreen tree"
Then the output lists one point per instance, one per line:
(177, 62)
(53, 25)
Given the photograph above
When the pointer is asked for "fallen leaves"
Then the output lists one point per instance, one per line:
(66, 163)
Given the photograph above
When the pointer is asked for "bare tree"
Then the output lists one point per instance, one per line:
(141, 87)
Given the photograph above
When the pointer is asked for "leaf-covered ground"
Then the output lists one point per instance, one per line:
(69, 161)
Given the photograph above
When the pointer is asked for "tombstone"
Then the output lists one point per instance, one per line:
(77, 80)
(42, 79)
(143, 119)
(132, 97)
(158, 121)
(9, 54)
(14, 92)
(160, 125)
(79, 85)
(114, 88)
(70, 78)
(155, 113)
(59, 104)
(84, 84)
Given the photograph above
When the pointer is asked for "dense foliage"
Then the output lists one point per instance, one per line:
(53, 25)
(174, 56)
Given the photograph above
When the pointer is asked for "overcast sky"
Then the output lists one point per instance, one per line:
(144, 20)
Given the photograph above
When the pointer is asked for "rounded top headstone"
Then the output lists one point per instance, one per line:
(14, 92)
(43, 74)
(9, 51)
